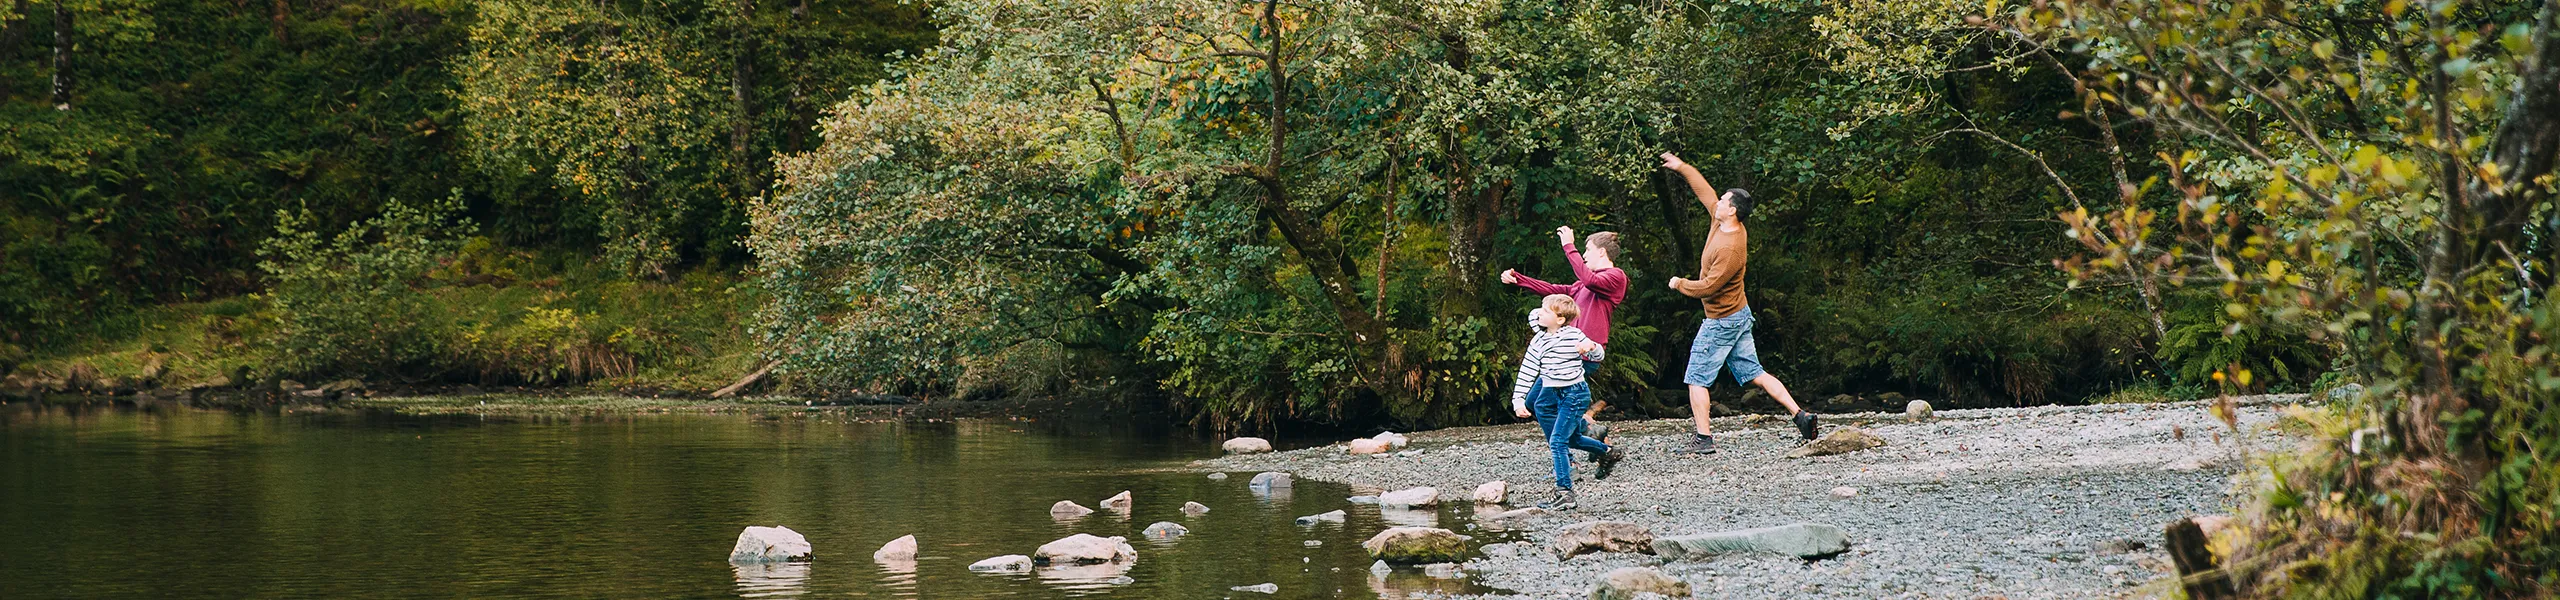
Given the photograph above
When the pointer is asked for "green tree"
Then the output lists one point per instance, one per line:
(2379, 174)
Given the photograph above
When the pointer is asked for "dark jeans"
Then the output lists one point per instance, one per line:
(1559, 412)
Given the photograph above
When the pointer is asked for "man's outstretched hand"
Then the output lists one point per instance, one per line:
(1672, 161)
(1510, 276)
(1565, 234)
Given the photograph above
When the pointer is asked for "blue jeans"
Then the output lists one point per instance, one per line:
(1559, 412)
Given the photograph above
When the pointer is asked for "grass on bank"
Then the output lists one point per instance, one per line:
(486, 317)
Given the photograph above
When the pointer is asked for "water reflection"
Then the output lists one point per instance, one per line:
(1410, 517)
(772, 580)
(1078, 580)
(1409, 582)
(898, 575)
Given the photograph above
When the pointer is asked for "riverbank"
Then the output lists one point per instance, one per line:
(2038, 502)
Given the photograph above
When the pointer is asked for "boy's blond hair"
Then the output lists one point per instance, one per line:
(1562, 306)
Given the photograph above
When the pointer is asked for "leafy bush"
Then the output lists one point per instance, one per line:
(349, 303)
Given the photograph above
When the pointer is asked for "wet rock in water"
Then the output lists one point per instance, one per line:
(1118, 502)
(1368, 446)
(1265, 588)
(1841, 440)
(1246, 445)
(769, 544)
(1380, 568)
(1493, 492)
(1267, 481)
(1394, 441)
(1361, 499)
(1217, 477)
(1165, 530)
(1413, 545)
(1844, 492)
(1602, 536)
(1068, 509)
(1085, 549)
(1010, 563)
(903, 548)
(1325, 517)
(1194, 508)
(1918, 410)
(1517, 514)
(1630, 582)
(1803, 540)
(1312, 543)
(1443, 571)
(1411, 497)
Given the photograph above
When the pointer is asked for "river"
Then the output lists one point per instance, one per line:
(166, 501)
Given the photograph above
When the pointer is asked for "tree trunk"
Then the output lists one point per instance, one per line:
(61, 56)
(276, 20)
(742, 72)
(12, 33)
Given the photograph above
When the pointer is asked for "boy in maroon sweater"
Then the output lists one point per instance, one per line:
(1597, 289)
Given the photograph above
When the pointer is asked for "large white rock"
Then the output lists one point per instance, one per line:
(1368, 446)
(1413, 497)
(1010, 563)
(1246, 445)
(1394, 441)
(1493, 492)
(1086, 549)
(1335, 516)
(1068, 509)
(769, 544)
(1119, 502)
(1918, 410)
(1269, 480)
(1803, 540)
(903, 548)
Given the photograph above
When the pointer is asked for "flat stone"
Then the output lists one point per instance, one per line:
(1217, 477)
(1010, 563)
(1368, 446)
(1841, 440)
(1068, 509)
(1519, 514)
(1803, 540)
(1246, 445)
(1410, 497)
(1493, 492)
(769, 544)
(1443, 571)
(1325, 517)
(1414, 545)
(1602, 536)
(1194, 508)
(1629, 582)
(1261, 588)
(1844, 492)
(1086, 549)
(1271, 480)
(903, 548)
(1119, 502)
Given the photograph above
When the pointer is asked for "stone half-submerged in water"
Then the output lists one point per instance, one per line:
(1416, 545)
(769, 544)
(1166, 530)
(1010, 563)
(1086, 549)
(1271, 480)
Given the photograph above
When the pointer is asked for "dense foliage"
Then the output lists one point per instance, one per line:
(1295, 211)
(2381, 175)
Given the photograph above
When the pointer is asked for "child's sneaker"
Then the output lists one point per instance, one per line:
(1608, 461)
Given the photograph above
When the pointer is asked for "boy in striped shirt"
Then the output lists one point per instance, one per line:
(1550, 388)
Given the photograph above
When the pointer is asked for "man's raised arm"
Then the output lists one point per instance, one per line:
(1697, 183)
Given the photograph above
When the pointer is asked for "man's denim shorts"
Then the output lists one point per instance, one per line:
(1723, 345)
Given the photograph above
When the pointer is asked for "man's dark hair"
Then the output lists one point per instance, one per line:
(1741, 200)
(1607, 242)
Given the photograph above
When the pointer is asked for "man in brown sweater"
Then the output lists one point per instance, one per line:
(1724, 339)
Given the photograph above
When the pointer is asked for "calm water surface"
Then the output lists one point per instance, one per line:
(165, 501)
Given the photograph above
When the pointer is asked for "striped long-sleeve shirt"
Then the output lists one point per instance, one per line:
(1551, 356)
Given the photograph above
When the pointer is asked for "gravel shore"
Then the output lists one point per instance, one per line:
(2043, 502)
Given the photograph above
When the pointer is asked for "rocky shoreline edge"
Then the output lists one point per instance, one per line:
(2036, 502)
